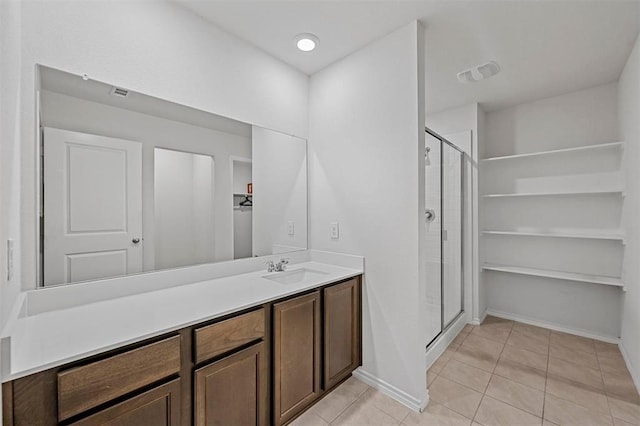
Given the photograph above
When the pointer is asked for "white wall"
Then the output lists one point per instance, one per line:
(629, 125)
(69, 113)
(366, 151)
(279, 192)
(10, 106)
(575, 119)
(157, 48)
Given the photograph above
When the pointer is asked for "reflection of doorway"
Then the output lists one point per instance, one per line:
(241, 173)
(184, 208)
(92, 207)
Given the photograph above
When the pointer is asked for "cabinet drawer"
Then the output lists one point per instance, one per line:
(158, 407)
(223, 336)
(88, 386)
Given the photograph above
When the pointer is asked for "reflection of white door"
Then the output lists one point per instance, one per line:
(92, 207)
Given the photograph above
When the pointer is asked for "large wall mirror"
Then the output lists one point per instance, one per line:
(131, 183)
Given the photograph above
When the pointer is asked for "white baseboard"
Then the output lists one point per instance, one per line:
(478, 321)
(634, 374)
(553, 326)
(392, 391)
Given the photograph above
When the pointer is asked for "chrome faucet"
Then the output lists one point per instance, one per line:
(281, 266)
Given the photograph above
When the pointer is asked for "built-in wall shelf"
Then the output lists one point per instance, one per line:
(557, 151)
(613, 237)
(554, 194)
(242, 195)
(560, 275)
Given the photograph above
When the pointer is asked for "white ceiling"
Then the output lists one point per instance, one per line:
(544, 48)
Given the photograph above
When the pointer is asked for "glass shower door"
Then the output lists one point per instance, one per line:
(452, 283)
(444, 217)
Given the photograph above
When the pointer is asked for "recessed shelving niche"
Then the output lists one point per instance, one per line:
(555, 214)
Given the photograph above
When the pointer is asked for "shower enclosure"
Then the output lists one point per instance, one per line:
(444, 197)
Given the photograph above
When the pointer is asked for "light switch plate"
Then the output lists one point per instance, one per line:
(335, 230)
(290, 228)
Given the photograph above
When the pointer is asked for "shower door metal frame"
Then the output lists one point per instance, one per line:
(463, 155)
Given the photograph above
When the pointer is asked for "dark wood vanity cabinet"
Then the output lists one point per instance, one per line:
(262, 366)
(342, 325)
(296, 355)
(233, 391)
(159, 406)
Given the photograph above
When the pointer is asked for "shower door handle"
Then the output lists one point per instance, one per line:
(430, 215)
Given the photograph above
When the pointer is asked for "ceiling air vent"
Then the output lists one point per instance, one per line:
(119, 91)
(479, 72)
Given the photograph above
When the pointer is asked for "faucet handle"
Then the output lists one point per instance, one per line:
(270, 265)
(284, 260)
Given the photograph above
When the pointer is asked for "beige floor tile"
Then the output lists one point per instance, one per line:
(619, 422)
(547, 423)
(352, 387)
(625, 411)
(436, 414)
(563, 412)
(621, 386)
(486, 360)
(532, 343)
(468, 328)
(430, 378)
(532, 330)
(587, 359)
(439, 364)
(458, 398)
(517, 372)
(362, 413)
(493, 412)
(516, 394)
(525, 357)
(309, 419)
(330, 407)
(459, 339)
(490, 319)
(571, 341)
(385, 403)
(604, 347)
(484, 344)
(467, 375)
(612, 362)
(577, 373)
(590, 398)
(494, 331)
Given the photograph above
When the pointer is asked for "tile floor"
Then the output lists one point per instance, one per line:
(502, 373)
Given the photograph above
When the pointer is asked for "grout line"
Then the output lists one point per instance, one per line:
(604, 387)
(492, 373)
(546, 379)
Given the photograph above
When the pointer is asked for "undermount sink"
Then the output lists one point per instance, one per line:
(294, 276)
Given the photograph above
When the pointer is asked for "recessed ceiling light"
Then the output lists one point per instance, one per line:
(306, 42)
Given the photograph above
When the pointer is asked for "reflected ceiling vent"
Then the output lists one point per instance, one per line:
(119, 91)
(479, 72)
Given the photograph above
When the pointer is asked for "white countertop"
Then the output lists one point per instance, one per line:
(51, 338)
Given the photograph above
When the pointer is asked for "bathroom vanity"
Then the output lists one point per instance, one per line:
(270, 346)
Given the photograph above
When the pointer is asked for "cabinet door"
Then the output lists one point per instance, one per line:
(233, 391)
(296, 331)
(341, 331)
(159, 406)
